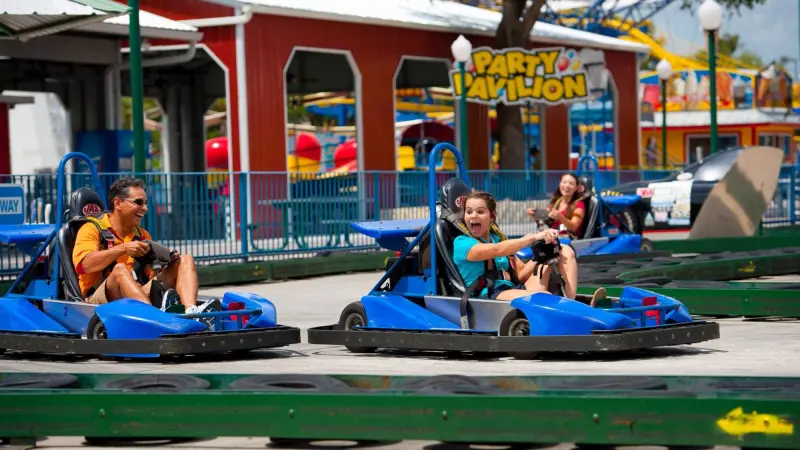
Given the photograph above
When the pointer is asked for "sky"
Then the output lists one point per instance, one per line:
(769, 30)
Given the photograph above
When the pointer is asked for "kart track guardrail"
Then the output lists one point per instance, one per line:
(709, 267)
(741, 412)
(701, 281)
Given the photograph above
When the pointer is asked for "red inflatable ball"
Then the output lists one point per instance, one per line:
(306, 145)
(346, 152)
(217, 153)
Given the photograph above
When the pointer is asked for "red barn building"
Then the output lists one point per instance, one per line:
(267, 45)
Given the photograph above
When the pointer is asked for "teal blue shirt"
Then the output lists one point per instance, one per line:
(471, 270)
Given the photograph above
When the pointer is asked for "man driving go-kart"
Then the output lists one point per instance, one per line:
(111, 257)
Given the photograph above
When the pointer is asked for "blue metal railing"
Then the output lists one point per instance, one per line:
(295, 215)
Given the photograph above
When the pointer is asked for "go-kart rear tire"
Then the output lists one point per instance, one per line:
(646, 246)
(516, 324)
(96, 329)
(354, 314)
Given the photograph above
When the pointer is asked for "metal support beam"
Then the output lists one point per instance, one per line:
(137, 89)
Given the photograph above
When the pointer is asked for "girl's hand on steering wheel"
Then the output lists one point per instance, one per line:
(556, 215)
(548, 236)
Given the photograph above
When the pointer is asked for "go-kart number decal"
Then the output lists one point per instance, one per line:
(66, 311)
(738, 423)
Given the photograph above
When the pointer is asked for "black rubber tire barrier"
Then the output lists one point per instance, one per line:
(660, 281)
(755, 386)
(633, 383)
(450, 384)
(291, 383)
(134, 442)
(602, 280)
(698, 284)
(38, 381)
(787, 286)
(157, 383)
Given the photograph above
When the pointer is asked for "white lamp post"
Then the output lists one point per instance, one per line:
(664, 69)
(710, 13)
(462, 51)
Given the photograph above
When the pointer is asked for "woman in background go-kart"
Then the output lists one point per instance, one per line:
(566, 206)
(471, 252)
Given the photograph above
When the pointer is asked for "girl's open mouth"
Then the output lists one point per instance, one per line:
(475, 228)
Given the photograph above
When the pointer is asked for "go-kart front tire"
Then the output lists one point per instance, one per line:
(646, 246)
(516, 324)
(354, 315)
(96, 329)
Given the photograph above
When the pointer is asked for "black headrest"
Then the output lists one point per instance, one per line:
(586, 182)
(452, 192)
(84, 202)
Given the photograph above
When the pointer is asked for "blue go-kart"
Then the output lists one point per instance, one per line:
(422, 303)
(612, 224)
(44, 312)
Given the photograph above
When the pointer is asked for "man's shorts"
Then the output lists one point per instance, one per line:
(98, 297)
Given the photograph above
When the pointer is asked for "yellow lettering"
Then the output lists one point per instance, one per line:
(494, 85)
(511, 92)
(498, 66)
(477, 89)
(553, 90)
(481, 60)
(549, 61)
(574, 86)
(532, 62)
(456, 82)
(536, 89)
(522, 90)
(516, 62)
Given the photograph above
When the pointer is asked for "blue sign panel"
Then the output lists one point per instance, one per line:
(12, 204)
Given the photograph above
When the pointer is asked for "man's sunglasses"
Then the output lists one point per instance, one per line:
(138, 201)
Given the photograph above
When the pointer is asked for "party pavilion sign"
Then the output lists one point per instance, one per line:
(516, 76)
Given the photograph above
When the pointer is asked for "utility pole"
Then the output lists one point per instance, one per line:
(137, 89)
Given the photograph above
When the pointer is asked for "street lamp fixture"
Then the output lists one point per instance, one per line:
(664, 70)
(710, 13)
(462, 51)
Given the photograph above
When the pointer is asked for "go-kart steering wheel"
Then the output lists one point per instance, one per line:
(541, 215)
(544, 253)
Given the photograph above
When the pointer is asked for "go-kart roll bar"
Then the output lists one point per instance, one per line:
(61, 188)
(403, 255)
(462, 173)
(590, 159)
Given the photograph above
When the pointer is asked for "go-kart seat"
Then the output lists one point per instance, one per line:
(445, 233)
(83, 202)
(590, 201)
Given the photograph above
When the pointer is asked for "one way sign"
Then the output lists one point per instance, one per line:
(12, 204)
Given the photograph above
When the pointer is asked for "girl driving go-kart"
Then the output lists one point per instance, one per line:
(482, 253)
(566, 206)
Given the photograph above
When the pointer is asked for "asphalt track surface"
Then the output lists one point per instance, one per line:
(747, 347)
